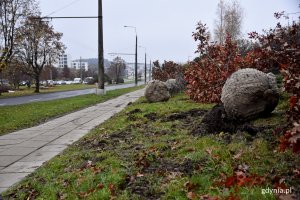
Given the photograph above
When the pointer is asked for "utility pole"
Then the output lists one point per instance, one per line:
(80, 67)
(150, 71)
(100, 89)
(145, 67)
(135, 68)
(136, 44)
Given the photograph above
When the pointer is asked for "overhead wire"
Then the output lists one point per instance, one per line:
(62, 8)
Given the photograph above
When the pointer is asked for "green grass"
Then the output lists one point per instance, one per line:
(132, 156)
(25, 91)
(27, 115)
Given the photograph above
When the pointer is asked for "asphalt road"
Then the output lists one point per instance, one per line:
(56, 95)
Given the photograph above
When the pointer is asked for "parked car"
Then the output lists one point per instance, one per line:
(69, 82)
(89, 80)
(77, 81)
(50, 82)
(61, 82)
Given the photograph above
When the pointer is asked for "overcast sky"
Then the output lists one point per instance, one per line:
(164, 27)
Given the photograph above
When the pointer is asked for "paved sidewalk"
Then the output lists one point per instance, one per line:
(23, 151)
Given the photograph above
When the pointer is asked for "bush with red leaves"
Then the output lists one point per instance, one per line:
(168, 70)
(281, 45)
(207, 75)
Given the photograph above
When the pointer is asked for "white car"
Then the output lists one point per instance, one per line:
(69, 82)
(77, 81)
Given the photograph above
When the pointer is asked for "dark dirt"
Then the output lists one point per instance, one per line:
(152, 116)
(137, 110)
(184, 115)
(141, 187)
(216, 121)
(131, 116)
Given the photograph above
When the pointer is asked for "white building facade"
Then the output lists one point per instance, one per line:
(64, 60)
(80, 65)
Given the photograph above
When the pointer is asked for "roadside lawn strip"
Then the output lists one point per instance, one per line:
(17, 117)
(25, 91)
(147, 152)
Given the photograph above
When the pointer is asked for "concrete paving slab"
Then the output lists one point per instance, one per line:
(54, 147)
(22, 167)
(45, 138)
(32, 143)
(68, 139)
(8, 179)
(19, 136)
(1, 168)
(29, 131)
(8, 160)
(60, 130)
(18, 151)
(10, 142)
(39, 156)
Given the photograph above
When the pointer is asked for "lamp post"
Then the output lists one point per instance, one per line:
(145, 63)
(135, 67)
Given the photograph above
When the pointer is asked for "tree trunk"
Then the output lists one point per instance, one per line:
(37, 84)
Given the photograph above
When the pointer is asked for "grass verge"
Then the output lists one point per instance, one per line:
(27, 115)
(148, 152)
(25, 91)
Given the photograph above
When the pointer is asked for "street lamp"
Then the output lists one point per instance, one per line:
(135, 67)
(145, 63)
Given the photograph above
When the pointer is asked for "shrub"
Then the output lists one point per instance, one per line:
(281, 45)
(168, 70)
(206, 76)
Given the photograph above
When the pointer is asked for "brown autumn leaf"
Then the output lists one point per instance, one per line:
(209, 151)
(111, 188)
(238, 155)
(190, 186)
(207, 197)
(139, 175)
(191, 195)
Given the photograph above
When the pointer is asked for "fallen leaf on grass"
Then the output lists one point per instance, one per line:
(84, 195)
(139, 174)
(190, 186)
(207, 197)
(238, 155)
(191, 195)
(111, 188)
(209, 151)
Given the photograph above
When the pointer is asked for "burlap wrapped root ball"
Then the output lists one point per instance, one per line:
(157, 91)
(173, 86)
(249, 93)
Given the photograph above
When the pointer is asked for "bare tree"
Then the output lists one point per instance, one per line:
(233, 20)
(229, 21)
(116, 70)
(12, 12)
(219, 30)
(38, 44)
